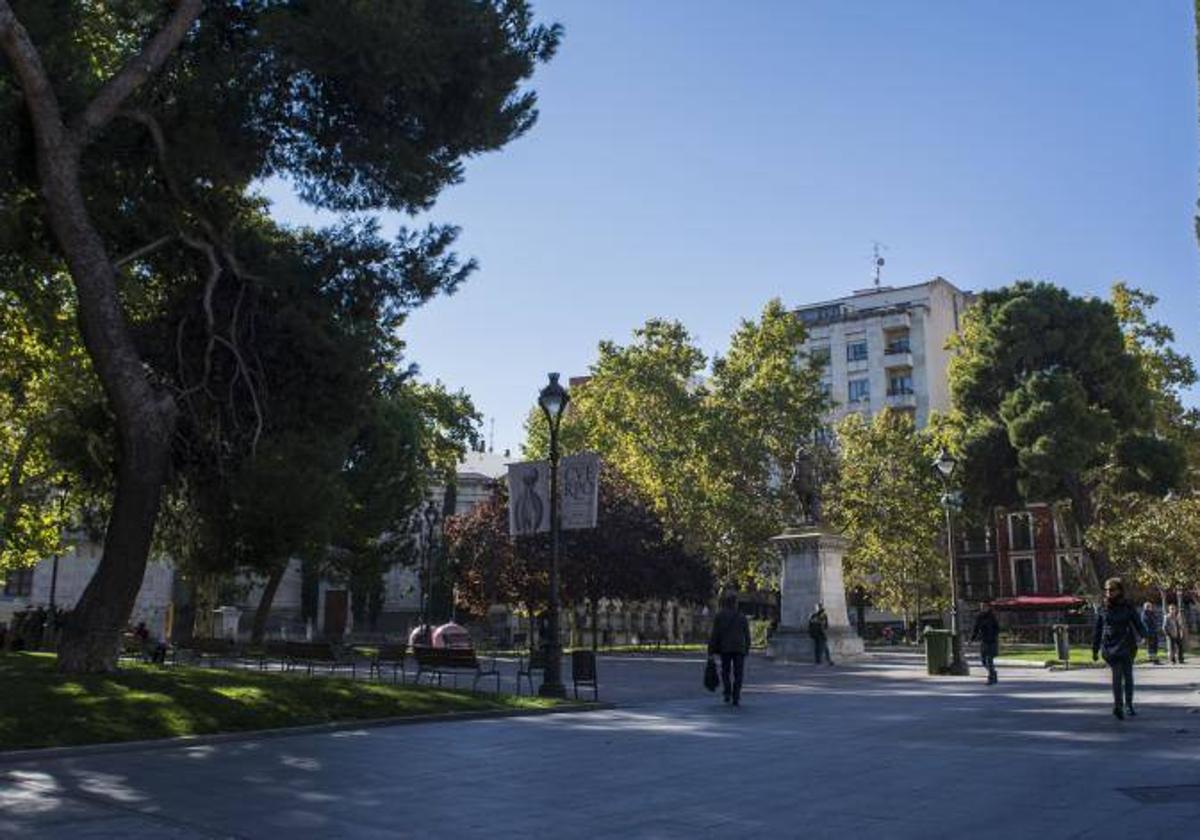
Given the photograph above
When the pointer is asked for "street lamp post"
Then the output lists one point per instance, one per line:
(553, 400)
(945, 464)
(430, 521)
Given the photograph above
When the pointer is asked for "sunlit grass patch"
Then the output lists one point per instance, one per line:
(41, 708)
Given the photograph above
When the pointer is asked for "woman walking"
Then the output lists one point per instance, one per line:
(1118, 627)
(731, 639)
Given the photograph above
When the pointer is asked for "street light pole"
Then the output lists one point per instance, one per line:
(430, 517)
(553, 400)
(945, 464)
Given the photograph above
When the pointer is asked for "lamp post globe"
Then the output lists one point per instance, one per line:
(944, 464)
(553, 400)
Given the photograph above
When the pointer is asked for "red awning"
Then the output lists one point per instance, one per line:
(1039, 602)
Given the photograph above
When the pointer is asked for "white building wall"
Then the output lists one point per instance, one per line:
(75, 569)
(929, 310)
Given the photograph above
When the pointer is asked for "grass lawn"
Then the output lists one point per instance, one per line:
(41, 708)
(1079, 655)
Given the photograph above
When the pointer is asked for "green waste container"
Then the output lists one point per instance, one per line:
(938, 645)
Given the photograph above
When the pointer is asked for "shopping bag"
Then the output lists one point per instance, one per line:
(711, 680)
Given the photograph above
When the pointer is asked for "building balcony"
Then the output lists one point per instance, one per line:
(901, 399)
(892, 320)
(897, 358)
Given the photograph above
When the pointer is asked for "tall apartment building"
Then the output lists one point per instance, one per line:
(886, 347)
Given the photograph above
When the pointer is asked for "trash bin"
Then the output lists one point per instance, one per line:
(1062, 644)
(938, 645)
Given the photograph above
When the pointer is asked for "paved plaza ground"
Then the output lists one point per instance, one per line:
(875, 749)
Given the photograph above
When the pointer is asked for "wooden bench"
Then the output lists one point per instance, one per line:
(536, 661)
(205, 650)
(439, 661)
(389, 654)
(309, 655)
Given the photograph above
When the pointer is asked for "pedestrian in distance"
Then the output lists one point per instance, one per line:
(1116, 633)
(818, 629)
(1176, 629)
(1152, 623)
(987, 633)
(730, 639)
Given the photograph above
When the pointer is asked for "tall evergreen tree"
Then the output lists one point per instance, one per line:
(131, 136)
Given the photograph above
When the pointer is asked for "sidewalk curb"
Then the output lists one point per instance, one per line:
(86, 750)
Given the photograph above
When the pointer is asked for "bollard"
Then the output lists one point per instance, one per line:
(1062, 645)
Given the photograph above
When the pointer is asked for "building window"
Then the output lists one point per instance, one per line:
(1069, 582)
(900, 382)
(976, 539)
(1069, 539)
(1020, 532)
(1026, 583)
(820, 356)
(19, 583)
(856, 351)
(860, 390)
(896, 342)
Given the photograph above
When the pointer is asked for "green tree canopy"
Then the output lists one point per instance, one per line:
(131, 137)
(885, 499)
(707, 454)
(1049, 403)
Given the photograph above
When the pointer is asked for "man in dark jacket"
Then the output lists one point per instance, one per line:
(818, 629)
(1118, 627)
(987, 633)
(731, 640)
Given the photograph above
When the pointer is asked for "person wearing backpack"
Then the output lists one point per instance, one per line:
(1118, 628)
(818, 629)
(730, 639)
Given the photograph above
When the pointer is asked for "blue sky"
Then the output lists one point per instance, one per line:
(694, 159)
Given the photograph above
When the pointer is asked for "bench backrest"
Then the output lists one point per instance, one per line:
(448, 657)
(392, 652)
(210, 645)
(310, 650)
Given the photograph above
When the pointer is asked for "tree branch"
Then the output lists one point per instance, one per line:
(136, 71)
(145, 250)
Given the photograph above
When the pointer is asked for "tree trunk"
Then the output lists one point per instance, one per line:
(1096, 564)
(595, 605)
(259, 628)
(145, 417)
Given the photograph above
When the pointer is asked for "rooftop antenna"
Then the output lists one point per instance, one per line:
(879, 261)
(492, 434)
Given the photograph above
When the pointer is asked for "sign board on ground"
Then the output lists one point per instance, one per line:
(529, 494)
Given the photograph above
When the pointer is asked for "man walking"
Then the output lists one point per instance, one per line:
(1153, 624)
(818, 628)
(730, 639)
(1176, 629)
(987, 633)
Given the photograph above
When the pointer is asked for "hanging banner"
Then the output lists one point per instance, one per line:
(529, 494)
(528, 498)
(579, 490)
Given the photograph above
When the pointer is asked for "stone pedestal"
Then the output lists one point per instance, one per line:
(812, 573)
